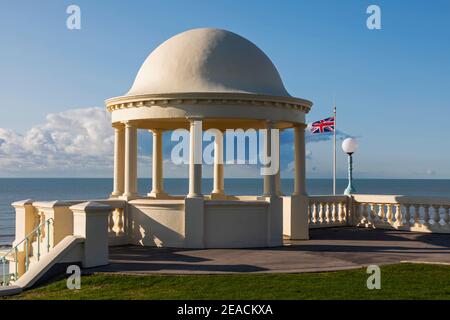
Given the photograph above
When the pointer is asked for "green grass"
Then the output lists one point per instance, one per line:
(402, 281)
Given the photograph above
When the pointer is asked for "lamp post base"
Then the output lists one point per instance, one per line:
(349, 190)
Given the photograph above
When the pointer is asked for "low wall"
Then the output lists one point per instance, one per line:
(199, 223)
(157, 222)
(236, 224)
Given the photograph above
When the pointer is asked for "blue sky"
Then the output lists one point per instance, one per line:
(391, 85)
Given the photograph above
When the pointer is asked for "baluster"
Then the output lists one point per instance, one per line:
(407, 220)
(373, 214)
(121, 222)
(321, 209)
(342, 213)
(329, 212)
(309, 213)
(381, 213)
(114, 218)
(416, 214)
(365, 213)
(118, 222)
(369, 213)
(333, 212)
(336, 212)
(358, 214)
(315, 213)
(426, 215)
(323, 218)
(447, 215)
(398, 215)
(437, 215)
(111, 223)
(389, 213)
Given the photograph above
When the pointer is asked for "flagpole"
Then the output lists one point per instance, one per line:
(334, 149)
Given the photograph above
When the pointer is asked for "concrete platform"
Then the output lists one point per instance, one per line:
(328, 250)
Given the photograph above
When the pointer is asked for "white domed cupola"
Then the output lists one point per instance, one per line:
(212, 74)
(208, 60)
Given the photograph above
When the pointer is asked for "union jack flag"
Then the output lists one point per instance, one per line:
(323, 126)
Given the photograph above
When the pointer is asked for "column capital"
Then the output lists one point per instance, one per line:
(270, 124)
(194, 118)
(128, 124)
(300, 126)
(118, 126)
(156, 130)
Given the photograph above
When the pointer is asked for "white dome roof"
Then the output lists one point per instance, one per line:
(208, 60)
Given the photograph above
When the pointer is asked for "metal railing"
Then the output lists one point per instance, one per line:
(42, 230)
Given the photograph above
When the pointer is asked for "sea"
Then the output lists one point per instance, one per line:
(12, 189)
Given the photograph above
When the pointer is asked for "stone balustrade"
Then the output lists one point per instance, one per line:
(30, 214)
(328, 211)
(422, 214)
(118, 223)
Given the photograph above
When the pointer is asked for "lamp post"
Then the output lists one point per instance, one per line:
(349, 146)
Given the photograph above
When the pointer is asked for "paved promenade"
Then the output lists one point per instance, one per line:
(328, 249)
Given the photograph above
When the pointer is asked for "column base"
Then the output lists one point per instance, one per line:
(158, 195)
(129, 196)
(268, 195)
(195, 195)
(218, 196)
(116, 194)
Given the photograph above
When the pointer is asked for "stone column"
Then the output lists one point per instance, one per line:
(269, 179)
(300, 159)
(119, 159)
(130, 160)
(219, 188)
(278, 191)
(157, 168)
(195, 159)
(295, 208)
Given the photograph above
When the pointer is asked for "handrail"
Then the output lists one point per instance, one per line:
(7, 277)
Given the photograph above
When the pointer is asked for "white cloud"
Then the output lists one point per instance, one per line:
(80, 143)
(72, 142)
